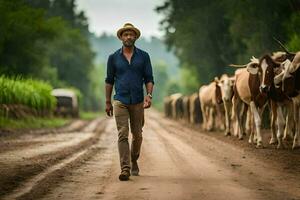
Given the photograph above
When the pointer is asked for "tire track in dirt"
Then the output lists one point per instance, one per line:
(13, 176)
(89, 180)
(248, 169)
(177, 162)
(171, 169)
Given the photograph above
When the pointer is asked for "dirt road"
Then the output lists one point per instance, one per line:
(177, 162)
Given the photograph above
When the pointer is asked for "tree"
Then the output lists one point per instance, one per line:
(208, 35)
(161, 80)
(23, 30)
(47, 40)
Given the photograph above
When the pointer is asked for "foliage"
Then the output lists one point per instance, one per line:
(294, 33)
(209, 35)
(188, 81)
(47, 40)
(23, 30)
(32, 122)
(91, 115)
(28, 92)
(161, 78)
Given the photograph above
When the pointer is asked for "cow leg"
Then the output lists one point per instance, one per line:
(251, 126)
(248, 122)
(235, 125)
(204, 115)
(273, 122)
(222, 117)
(235, 115)
(216, 118)
(280, 124)
(241, 120)
(239, 115)
(297, 126)
(257, 123)
(211, 119)
(288, 133)
(227, 107)
(244, 117)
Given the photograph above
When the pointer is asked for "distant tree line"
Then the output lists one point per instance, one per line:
(48, 40)
(207, 35)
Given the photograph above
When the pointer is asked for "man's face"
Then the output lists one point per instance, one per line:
(128, 38)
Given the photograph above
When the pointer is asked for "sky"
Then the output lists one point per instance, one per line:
(110, 15)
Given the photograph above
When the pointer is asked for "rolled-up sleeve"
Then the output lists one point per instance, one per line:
(110, 71)
(148, 74)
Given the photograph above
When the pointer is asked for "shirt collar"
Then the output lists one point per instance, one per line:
(135, 50)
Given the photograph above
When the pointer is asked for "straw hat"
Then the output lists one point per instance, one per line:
(128, 26)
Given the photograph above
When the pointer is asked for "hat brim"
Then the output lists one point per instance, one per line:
(121, 30)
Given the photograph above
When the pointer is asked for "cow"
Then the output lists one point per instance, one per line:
(195, 109)
(247, 94)
(289, 80)
(210, 99)
(281, 56)
(226, 84)
(176, 104)
(186, 108)
(267, 70)
(168, 106)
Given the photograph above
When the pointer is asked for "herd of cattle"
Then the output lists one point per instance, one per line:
(236, 103)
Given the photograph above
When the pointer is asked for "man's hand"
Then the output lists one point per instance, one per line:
(109, 109)
(147, 102)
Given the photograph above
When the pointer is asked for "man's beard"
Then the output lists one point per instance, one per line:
(129, 43)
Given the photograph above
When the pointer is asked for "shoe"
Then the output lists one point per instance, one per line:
(135, 169)
(124, 176)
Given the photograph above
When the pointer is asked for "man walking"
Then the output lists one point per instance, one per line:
(128, 69)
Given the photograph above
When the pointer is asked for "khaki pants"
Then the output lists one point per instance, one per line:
(135, 114)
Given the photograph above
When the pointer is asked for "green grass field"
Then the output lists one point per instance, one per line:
(45, 122)
(32, 123)
(90, 115)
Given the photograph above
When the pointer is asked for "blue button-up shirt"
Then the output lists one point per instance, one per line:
(129, 77)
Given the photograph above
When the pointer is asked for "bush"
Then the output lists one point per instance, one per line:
(20, 97)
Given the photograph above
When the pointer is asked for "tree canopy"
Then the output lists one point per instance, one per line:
(47, 40)
(207, 35)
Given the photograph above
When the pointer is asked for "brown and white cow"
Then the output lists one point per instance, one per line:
(267, 70)
(246, 93)
(281, 56)
(210, 99)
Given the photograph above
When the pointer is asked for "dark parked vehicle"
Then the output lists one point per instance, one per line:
(67, 103)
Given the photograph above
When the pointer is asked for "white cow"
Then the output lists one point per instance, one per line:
(226, 85)
(210, 100)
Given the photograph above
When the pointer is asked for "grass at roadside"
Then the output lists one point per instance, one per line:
(32, 123)
(90, 115)
(46, 122)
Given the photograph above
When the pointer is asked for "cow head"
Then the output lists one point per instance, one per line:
(286, 79)
(226, 85)
(281, 56)
(253, 66)
(218, 92)
(267, 66)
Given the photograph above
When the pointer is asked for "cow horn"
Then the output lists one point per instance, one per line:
(282, 46)
(255, 60)
(233, 65)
